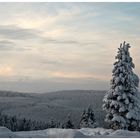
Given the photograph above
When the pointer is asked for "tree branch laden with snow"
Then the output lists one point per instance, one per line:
(122, 101)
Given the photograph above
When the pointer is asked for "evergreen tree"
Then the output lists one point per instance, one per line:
(52, 124)
(68, 124)
(87, 119)
(13, 123)
(122, 101)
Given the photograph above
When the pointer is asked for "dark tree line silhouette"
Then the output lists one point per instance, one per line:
(22, 124)
(15, 123)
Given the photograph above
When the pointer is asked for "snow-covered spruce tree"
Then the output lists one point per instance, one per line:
(122, 101)
(68, 124)
(87, 119)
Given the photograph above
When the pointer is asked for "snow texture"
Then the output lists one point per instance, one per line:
(6, 133)
(70, 133)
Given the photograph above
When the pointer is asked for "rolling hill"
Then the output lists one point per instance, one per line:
(52, 105)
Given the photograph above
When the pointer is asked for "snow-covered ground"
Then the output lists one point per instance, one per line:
(70, 133)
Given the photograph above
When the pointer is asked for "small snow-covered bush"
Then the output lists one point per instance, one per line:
(68, 124)
(88, 119)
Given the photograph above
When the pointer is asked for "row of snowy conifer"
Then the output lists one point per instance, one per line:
(15, 123)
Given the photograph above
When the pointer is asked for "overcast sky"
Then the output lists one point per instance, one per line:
(55, 46)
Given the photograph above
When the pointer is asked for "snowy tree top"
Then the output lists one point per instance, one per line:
(125, 46)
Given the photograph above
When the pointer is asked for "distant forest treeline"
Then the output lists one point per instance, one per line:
(22, 124)
(15, 123)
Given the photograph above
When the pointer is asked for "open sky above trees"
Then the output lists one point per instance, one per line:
(56, 46)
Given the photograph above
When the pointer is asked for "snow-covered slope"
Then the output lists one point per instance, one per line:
(53, 105)
(70, 133)
(6, 133)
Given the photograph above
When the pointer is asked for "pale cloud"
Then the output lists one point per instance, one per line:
(125, 18)
(6, 71)
(76, 75)
(14, 32)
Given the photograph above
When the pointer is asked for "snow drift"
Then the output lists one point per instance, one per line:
(70, 133)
